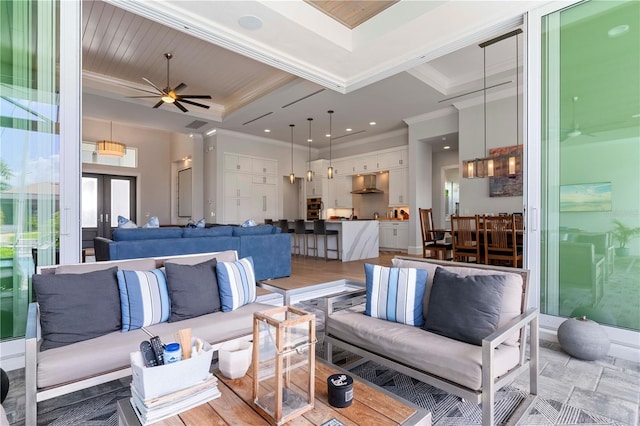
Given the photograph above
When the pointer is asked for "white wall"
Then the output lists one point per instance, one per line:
(501, 132)
(153, 172)
(187, 152)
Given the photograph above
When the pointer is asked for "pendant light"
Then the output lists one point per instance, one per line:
(292, 176)
(110, 147)
(514, 162)
(330, 169)
(309, 140)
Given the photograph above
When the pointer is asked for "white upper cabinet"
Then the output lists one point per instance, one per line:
(237, 163)
(264, 166)
(366, 164)
(392, 159)
(398, 187)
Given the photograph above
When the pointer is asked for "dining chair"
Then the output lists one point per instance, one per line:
(431, 237)
(465, 232)
(500, 241)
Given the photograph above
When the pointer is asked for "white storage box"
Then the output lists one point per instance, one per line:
(151, 382)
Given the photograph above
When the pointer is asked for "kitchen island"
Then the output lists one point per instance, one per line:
(359, 239)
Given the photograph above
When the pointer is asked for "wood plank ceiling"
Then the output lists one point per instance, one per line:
(351, 13)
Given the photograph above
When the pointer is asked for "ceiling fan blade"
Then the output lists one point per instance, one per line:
(158, 104)
(194, 96)
(179, 87)
(180, 107)
(194, 103)
(154, 86)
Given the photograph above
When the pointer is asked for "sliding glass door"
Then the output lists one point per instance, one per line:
(590, 163)
(29, 152)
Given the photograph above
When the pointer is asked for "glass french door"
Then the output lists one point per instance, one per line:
(104, 198)
(590, 157)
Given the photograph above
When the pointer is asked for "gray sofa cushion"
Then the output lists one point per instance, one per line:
(64, 320)
(464, 308)
(511, 296)
(450, 359)
(193, 289)
(111, 352)
(132, 265)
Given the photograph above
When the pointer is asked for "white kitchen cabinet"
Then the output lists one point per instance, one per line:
(263, 204)
(366, 164)
(394, 235)
(398, 187)
(237, 184)
(237, 163)
(393, 159)
(341, 168)
(340, 192)
(237, 210)
(315, 188)
(264, 166)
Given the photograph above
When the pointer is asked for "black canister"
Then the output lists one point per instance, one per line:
(340, 390)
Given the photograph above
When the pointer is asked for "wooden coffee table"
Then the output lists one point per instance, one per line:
(371, 405)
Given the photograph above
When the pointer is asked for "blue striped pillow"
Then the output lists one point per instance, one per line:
(395, 294)
(144, 298)
(237, 283)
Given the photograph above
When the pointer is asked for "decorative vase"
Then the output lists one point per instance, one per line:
(234, 359)
(583, 339)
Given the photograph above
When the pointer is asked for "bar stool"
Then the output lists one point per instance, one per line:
(268, 221)
(320, 228)
(301, 234)
(284, 225)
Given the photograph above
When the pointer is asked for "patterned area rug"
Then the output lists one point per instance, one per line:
(447, 409)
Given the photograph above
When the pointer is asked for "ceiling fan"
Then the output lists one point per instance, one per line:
(574, 131)
(172, 96)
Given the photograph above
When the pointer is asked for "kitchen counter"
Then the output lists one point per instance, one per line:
(359, 239)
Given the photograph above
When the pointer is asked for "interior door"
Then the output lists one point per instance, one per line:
(104, 198)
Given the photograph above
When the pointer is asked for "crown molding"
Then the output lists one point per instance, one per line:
(445, 112)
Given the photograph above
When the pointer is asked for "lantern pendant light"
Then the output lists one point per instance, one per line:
(330, 169)
(292, 176)
(309, 140)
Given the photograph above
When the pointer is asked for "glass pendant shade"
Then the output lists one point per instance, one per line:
(330, 172)
(309, 140)
(292, 176)
(330, 169)
(309, 175)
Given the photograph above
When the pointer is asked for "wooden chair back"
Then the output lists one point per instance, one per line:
(500, 240)
(465, 232)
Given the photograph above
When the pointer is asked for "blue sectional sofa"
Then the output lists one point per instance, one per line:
(269, 248)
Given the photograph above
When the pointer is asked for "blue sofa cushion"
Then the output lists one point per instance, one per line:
(237, 282)
(218, 231)
(276, 229)
(145, 234)
(77, 307)
(144, 298)
(193, 289)
(252, 230)
(465, 308)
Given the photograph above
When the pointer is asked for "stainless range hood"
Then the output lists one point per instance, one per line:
(369, 186)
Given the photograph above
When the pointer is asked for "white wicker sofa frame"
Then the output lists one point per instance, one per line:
(489, 361)
(89, 358)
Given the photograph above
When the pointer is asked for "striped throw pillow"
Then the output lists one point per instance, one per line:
(237, 283)
(144, 298)
(395, 294)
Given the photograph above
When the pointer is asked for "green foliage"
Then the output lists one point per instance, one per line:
(5, 175)
(623, 233)
(6, 252)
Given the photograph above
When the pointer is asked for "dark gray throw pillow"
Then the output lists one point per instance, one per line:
(464, 308)
(193, 289)
(77, 307)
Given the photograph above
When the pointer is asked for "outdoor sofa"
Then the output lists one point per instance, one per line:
(472, 371)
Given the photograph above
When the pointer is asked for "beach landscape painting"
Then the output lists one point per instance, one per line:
(586, 197)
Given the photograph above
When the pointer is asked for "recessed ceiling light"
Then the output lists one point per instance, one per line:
(349, 130)
(309, 140)
(328, 135)
(267, 130)
(249, 22)
(190, 135)
(446, 147)
(618, 31)
(372, 123)
(211, 132)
